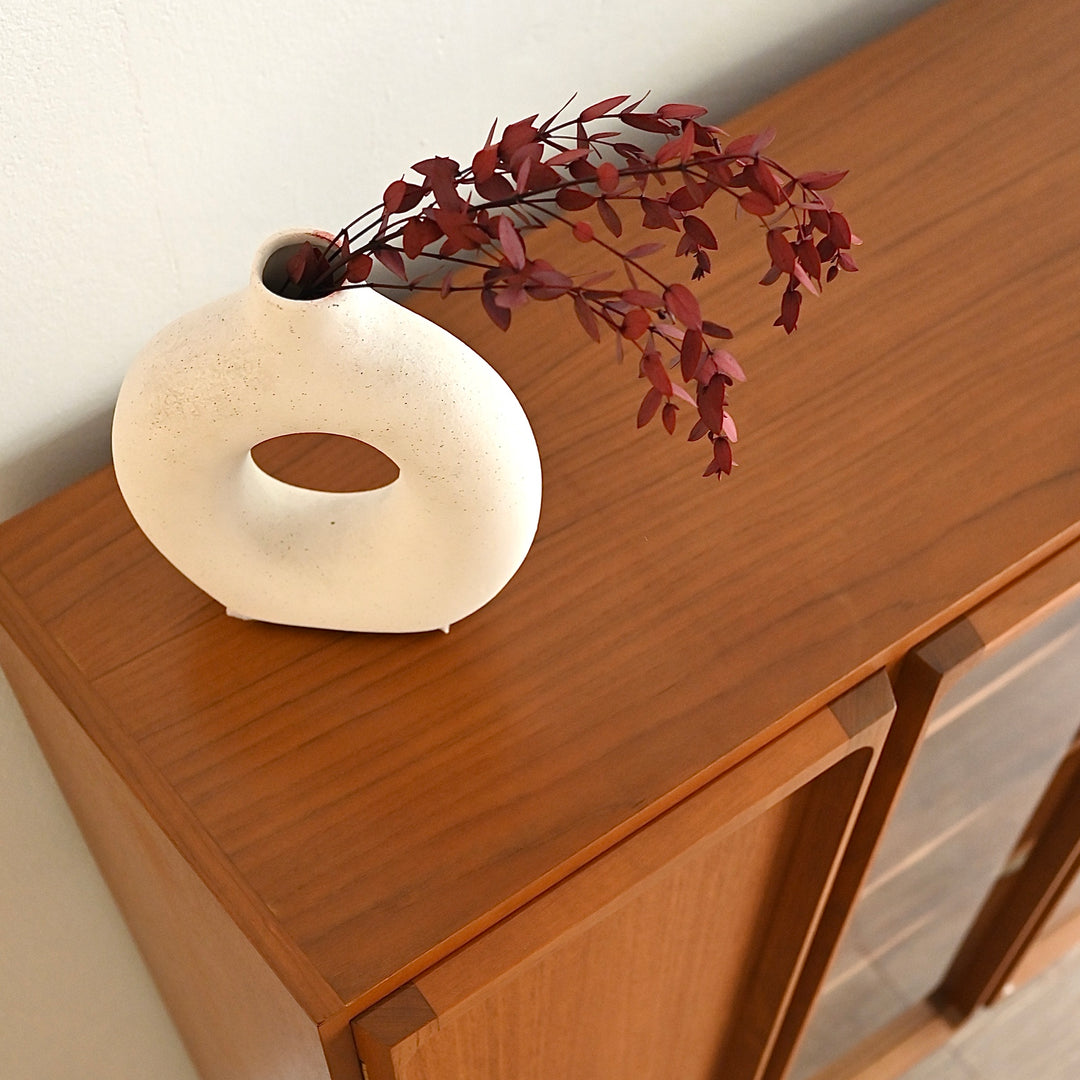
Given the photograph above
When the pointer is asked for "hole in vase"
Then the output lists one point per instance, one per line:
(320, 461)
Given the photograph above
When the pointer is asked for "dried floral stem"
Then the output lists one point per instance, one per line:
(535, 191)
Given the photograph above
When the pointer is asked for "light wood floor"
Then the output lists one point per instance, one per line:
(991, 746)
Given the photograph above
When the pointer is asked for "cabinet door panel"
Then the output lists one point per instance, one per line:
(672, 954)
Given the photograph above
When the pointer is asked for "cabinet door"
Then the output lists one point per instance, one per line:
(670, 955)
(983, 841)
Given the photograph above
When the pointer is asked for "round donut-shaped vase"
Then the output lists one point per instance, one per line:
(424, 551)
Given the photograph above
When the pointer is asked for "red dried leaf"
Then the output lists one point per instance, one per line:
(595, 279)
(642, 298)
(699, 232)
(500, 316)
(698, 431)
(586, 317)
(635, 323)
(649, 404)
(515, 135)
(690, 353)
(582, 170)
(652, 367)
(358, 268)
(780, 250)
(819, 219)
(716, 330)
(567, 156)
(804, 278)
(594, 112)
(394, 196)
(460, 229)
(642, 250)
(719, 173)
(483, 164)
(609, 217)
(572, 198)
(392, 260)
(607, 176)
(634, 154)
(495, 189)
(668, 417)
(522, 175)
(446, 286)
(299, 262)
(711, 398)
(762, 140)
(756, 202)
(807, 254)
(657, 215)
(766, 181)
(726, 364)
(683, 304)
(839, 230)
(687, 198)
(847, 262)
(441, 174)
(583, 231)
(681, 112)
(722, 456)
(740, 146)
(532, 150)
(646, 122)
(417, 234)
(679, 148)
(819, 181)
(511, 297)
(543, 273)
(511, 243)
(789, 310)
(443, 167)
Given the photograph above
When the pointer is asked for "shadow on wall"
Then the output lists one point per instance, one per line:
(53, 464)
(745, 84)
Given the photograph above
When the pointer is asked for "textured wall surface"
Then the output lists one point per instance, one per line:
(146, 149)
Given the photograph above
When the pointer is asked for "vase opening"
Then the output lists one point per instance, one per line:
(321, 461)
(274, 274)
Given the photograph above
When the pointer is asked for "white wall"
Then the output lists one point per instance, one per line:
(147, 147)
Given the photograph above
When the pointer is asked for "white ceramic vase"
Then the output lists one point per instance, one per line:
(428, 549)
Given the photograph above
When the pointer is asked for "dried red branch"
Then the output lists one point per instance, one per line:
(480, 215)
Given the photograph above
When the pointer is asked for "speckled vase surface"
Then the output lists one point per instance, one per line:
(421, 553)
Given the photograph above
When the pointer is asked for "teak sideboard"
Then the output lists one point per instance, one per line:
(614, 823)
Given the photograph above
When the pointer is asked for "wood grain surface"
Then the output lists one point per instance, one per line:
(365, 804)
(578, 983)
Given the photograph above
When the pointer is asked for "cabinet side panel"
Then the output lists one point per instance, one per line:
(650, 990)
(236, 1019)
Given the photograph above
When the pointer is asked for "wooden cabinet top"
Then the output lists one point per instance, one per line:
(363, 804)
